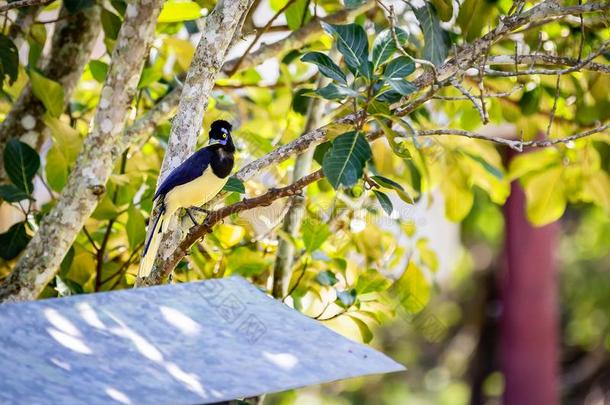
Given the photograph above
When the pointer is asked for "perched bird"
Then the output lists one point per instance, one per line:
(195, 182)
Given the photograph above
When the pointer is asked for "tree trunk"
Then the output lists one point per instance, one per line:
(87, 181)
(528, 337)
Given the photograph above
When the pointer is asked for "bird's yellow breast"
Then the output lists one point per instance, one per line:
(196, 192)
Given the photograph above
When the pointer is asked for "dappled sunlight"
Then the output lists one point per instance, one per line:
(148, 350)
(65, 332)
(145, 348)
(285, 361)
(61, 364)
(180, 321)
(190, 380)
(117, 395)
(61, 322)
(71, 342)
(89, 315)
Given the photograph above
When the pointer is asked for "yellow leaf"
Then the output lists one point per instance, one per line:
(531, 162)
(177, 11)
(545, 192)
(64, 136)
(597, 189)
(428, 256)
(412, 289)
(183, 50)
(229, 235)
(459, 198)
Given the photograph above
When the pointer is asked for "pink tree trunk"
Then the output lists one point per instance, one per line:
(528, 327)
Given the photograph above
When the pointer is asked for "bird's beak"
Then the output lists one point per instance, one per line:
(213, 142)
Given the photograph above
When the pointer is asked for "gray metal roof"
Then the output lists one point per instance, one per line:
(189, 343)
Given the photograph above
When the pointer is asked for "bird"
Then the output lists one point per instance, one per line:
(192, 184)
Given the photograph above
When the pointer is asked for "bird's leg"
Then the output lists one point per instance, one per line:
(200, 209)
(190, 214)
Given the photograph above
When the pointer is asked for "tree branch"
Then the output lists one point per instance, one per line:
(72, 43)
(23, 3)
(86, 183)
(517, 145)
(220, 27)
(214, 217)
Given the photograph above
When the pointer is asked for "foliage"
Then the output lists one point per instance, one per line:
(360, 254)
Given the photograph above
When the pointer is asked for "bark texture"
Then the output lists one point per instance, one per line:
(292, 221)
(72, 43)
(86, 183)
(218, 32)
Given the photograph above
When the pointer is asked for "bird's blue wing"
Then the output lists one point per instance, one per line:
(189, 170)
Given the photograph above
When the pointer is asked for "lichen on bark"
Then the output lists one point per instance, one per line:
(86, 183)
(217, 33)
(73, 40)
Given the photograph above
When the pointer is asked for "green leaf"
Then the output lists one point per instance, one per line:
(13, 241)
(135, 227)
(99, 70)
(377, 107)
(491, 169)
(326, 66)
(402, 86)
(399, 68)
(437, 40)
(354, 3)
(120, 6)
(297, 14)
(234, 185)
(149, 76)
(352, 43)
(412, 289)
(49, 92)
(56, 168)
(385, 45)
(111, 23)
(11, 194)
(385, 202)
(178, 11)
(444, 9)
(344, 162)
(473, 16)
(545, 196)
(530, 101)
(372, 281)
(21, 163)
(335, 92)
(9, 60)
(314, 234)
(246, 262)
(327, 278)
(346, 298)
(74, 6)
(387, 183)
(66, 137)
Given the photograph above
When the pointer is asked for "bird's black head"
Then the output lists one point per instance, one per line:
(220, 134)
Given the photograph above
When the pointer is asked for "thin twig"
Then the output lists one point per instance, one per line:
(554, 109)
(503, 94)
(259, 33)
(23, 3)
(470, 97)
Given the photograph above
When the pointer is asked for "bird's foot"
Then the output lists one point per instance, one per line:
(200, 209)
(190, 214)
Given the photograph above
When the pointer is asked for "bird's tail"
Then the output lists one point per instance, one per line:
(152, 244)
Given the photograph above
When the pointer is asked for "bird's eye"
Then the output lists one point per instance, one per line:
(224, 136)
